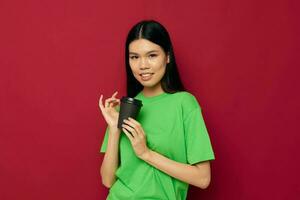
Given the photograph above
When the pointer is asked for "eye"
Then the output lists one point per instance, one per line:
(133, 57)
(152, 55)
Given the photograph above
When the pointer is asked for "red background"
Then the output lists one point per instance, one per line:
(239, 58)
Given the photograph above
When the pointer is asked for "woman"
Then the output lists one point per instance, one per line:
(167, 147)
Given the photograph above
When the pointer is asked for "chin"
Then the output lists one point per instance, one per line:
(149, 85)
(152, 83)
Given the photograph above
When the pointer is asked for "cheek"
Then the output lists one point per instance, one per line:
(133, 68)
(135, 72)
(162, 72)
(160, 68)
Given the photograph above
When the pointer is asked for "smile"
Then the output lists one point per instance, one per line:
(146, 76)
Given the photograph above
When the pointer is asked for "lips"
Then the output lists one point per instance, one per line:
(146, 76)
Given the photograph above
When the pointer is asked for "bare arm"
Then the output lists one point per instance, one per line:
(110, 161)
(197, 175)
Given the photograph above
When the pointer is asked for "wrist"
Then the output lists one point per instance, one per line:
(114, 131)
(146, 156)
(114, 128)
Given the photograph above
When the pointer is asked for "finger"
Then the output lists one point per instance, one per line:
(114, 95)
(132, 122)
(125, 121)
(128, 135)
(130, 129)
(101, 103)
(114, 103)
(108, 101)
(112, 99)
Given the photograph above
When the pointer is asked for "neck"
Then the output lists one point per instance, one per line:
(149, 92)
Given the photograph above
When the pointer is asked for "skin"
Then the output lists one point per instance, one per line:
(145, 56)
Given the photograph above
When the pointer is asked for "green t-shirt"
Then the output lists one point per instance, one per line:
(174, 128)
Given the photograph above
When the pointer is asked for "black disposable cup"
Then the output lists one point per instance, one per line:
(130, 107)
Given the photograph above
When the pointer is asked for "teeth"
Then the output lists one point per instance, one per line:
(146, 75)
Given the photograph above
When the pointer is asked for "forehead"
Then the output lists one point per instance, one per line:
(143, 46)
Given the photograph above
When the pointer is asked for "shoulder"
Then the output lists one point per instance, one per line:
(186, 98)
(187, 101)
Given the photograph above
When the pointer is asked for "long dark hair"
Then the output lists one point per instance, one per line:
(156, 33)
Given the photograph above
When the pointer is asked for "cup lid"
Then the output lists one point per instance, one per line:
(132, 101)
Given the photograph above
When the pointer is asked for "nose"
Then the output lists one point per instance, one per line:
(143, 64)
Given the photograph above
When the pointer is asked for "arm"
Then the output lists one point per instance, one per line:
(197, 175)
(110, 161)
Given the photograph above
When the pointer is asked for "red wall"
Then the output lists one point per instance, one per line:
(237, 57)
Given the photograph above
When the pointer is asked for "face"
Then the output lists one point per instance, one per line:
(147, 61)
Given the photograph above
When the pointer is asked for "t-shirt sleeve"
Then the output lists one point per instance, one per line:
(198, 145)
(104, 143)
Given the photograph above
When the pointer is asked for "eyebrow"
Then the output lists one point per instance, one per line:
(146, 53)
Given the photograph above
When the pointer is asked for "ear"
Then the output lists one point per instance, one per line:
(168, 58)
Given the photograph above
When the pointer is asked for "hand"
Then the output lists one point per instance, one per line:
(135, 133)
(109, 112)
